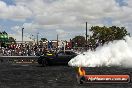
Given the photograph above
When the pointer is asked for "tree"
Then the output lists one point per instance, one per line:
(78, 41)
(11, 39)
(3, 37)
(43, 39)
(104, 34)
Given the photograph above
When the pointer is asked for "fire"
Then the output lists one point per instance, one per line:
(81, 71)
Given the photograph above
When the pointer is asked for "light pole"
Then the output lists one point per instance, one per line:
(37, 39)
(86, 33)
(57, 42)
(22, 35)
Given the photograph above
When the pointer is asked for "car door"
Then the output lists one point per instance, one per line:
(61, 57)
(69, 55)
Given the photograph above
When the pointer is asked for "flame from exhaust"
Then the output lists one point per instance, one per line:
(81, 71)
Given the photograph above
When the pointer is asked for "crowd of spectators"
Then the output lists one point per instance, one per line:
(30, 50)
(22, 50)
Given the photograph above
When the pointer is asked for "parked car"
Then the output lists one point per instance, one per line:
(61, 57)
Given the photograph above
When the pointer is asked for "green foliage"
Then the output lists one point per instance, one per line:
(104, 34)
(3, 37)
(78, 41)
(43, 39)
(11, 39)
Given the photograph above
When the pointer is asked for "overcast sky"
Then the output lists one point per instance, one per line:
(64, 17)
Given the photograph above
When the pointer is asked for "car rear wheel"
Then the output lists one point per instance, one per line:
(44, 62)
(39, 60)
(79, 81)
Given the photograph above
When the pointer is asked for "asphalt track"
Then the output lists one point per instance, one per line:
(35, 76)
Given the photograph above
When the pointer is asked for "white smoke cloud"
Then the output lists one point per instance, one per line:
(117, 53)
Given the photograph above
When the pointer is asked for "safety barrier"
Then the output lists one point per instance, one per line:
(18, 59)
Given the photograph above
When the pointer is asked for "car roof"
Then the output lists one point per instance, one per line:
(66, 51)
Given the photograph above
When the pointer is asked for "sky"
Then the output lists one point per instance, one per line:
(66, 18)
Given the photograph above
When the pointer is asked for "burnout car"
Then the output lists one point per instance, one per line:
(61, 57)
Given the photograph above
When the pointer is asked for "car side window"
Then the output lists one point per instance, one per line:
(69, 53)
(61, 53)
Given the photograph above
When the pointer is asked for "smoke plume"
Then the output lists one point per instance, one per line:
(116, 53)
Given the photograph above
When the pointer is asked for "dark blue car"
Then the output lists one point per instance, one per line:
(61, 57)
